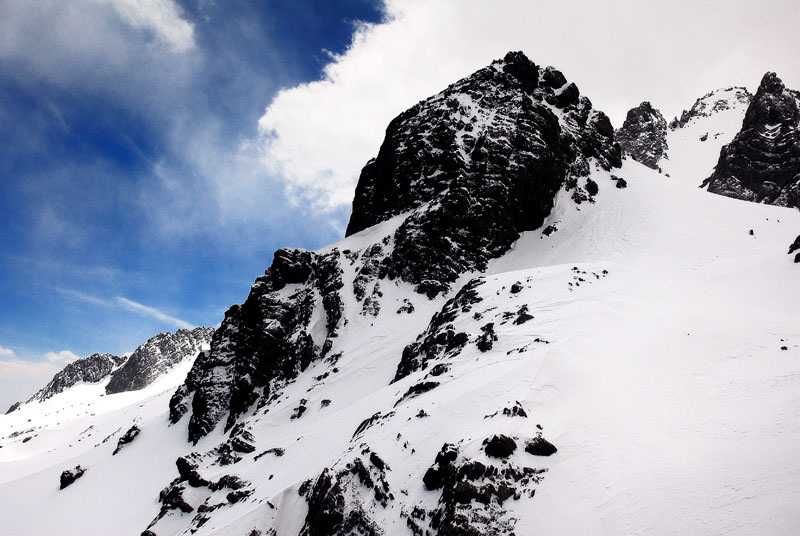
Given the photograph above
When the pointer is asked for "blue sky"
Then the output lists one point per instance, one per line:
(121, 146)
(155, 153)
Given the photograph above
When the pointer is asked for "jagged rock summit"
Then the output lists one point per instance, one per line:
(469, 168)
(643, 135)
(762, 163)
(89, 369)
(712, 103)
(160, 353)
(478, 163)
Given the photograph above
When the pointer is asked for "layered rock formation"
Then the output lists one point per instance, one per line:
(762, 163)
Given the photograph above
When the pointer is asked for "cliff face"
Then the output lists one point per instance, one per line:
(289, 320)
(762, 163)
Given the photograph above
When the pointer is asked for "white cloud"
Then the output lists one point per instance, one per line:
(63, 357)
(19, 380)
(6, 352)
(162, 17)
(317, 136)
(151, 312)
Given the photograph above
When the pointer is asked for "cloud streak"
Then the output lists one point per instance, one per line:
(152, 312)
(127, 305)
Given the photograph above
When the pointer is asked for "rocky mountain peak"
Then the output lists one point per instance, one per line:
(89, 369)
(469, 169)
(156, 356)
(479, 163)
(772, 104)
(643, 135)
(762, 163)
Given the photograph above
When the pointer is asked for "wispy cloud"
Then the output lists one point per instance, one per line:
(85, 297)
(6, 353)
(162, 17)
(152, 312)
(127, 305)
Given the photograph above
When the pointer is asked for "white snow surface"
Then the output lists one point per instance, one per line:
(720, 116)
(662, 382)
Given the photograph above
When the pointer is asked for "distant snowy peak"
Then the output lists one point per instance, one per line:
(762, 163)
(129, 373)
(643, 135)
(715, 102)
(90, 369)
(156, 356)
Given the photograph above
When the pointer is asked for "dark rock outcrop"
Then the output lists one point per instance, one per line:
(14, 407)
(71, 475)
(478, 164)
(539, 446)
(792, 248)
(156, 356)
(90, 369)
(338, 500)
(472, 495)
(129, 436)
(439, 340)
(762, 163)
(264, 342)
(643, 135)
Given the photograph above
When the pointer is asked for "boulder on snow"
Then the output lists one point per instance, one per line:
(71, 475)
(499, 446)
(539, 446)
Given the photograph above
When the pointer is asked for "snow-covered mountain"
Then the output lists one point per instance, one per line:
(523, 332)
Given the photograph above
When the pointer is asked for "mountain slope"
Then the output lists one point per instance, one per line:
(647, 334)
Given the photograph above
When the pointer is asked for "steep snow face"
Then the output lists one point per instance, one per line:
(644, 336)
(762, 163)
(695, 140)
(643, 135)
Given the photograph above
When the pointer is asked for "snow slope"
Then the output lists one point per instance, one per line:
(653, 361)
